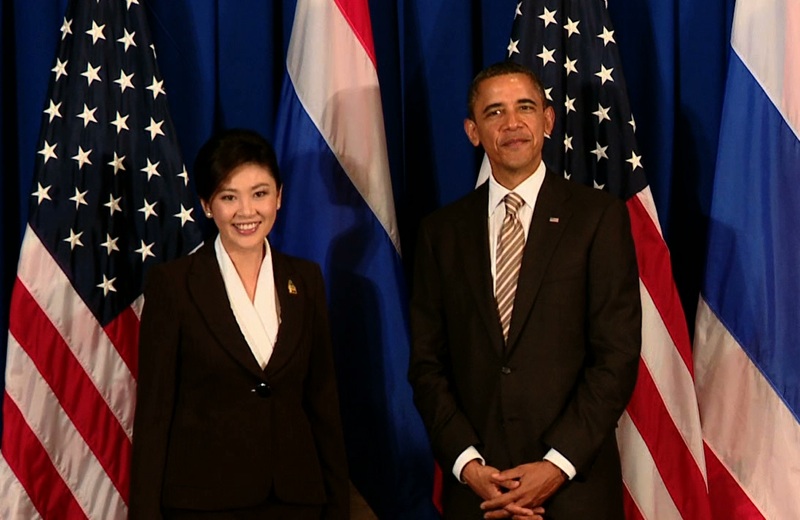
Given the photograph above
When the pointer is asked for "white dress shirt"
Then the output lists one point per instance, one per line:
(258, 319)
(529, 191)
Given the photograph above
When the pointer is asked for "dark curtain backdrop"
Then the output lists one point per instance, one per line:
(223, 65)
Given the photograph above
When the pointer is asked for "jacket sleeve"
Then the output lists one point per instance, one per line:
(322, 405)
(613, 342)
(429, 371)
(155, 394)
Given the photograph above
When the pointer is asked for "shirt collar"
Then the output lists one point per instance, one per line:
(527, 189)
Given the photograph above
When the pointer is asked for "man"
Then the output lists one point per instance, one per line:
(526, 324)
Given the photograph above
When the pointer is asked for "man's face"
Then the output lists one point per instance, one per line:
(510, 123)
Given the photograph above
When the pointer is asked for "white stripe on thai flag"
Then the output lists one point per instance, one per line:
(69, 398)
(747, 339)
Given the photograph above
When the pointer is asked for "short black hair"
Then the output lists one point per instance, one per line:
(502, 68)
(225, 152)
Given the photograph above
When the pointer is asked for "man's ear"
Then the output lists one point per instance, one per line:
(471, 130)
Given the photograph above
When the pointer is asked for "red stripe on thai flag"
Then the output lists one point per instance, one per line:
(730, 500)
(76, 392)
(33, 468)
(356, 12)
(679, 471)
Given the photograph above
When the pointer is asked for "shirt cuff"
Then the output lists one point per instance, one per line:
(467, 455)
(561, 462)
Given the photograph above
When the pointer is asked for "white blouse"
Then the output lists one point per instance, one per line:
(258, 320)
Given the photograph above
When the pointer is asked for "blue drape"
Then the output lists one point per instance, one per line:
(223, 65)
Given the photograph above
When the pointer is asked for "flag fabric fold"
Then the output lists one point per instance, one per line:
(570, 44)
(338, 210)
(747, 335)
(110, 198)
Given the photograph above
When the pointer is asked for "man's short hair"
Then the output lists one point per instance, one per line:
(502, 68)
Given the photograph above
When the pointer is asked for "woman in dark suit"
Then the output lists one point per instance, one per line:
(237, 412)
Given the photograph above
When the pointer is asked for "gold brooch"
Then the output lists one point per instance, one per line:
(292, 288)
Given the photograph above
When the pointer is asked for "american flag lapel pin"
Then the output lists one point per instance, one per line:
(554, 220)
(292, 288)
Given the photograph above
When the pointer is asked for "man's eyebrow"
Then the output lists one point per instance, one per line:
(527, 101)
(492, 107)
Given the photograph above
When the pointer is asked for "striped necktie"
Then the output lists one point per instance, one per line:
(510, 246)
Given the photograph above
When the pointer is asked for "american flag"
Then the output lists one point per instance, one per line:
(571, 45)
(110, 199)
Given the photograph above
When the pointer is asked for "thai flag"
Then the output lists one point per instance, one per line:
(747, 339)
(338, 210)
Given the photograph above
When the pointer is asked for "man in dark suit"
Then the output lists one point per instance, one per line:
(526, 324)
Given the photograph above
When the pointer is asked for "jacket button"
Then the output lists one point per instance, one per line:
(505, 371)
(263, 390)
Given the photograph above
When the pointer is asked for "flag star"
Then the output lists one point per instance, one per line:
(113, 205)
(82, 157)
(598, 186)
(91, 73)
(546, 55)
(570, 104)
(607, 36)
(151, 169)
(74, 239)
(87, 115)
(116, 163)
(145, 250)
(567, 143)
(632, 122)
(110, 244)
(602, 113)
(107, 285)
(132, 2)
(154, 128)
(518, 12)
(185, 176)
(127, 39)
(149, 210)
(41, 193)
(53, 110)
(605, 74)
(570, 66)
(152, 47)
(547, 92)
(124, 81)
(96, 32)
(66, 28)
(121, 123)
(600, 152)
(49, 152)
(79, 198)
(548, 17)
(60, 69)
(512, 47)
(635, 160)
(572, 27)
(567, 175)
(185, 215)
(157, 87)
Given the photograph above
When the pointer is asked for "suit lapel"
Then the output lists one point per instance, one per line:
(208, 291)
(475, 246)
(291, 295)
(549, 220)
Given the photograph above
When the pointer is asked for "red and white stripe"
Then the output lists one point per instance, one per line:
(69, 402)
(661, 445)
(331, 61)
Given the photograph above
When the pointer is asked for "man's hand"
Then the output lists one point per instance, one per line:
(479, 478)
(536, 482)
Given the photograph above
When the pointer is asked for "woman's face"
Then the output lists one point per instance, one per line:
(244, 208)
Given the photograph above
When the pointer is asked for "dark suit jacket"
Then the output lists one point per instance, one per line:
(570, 365)
(214, 431)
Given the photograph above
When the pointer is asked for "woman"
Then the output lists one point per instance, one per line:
(237, 413)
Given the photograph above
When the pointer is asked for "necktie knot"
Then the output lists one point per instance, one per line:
(513, 202)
